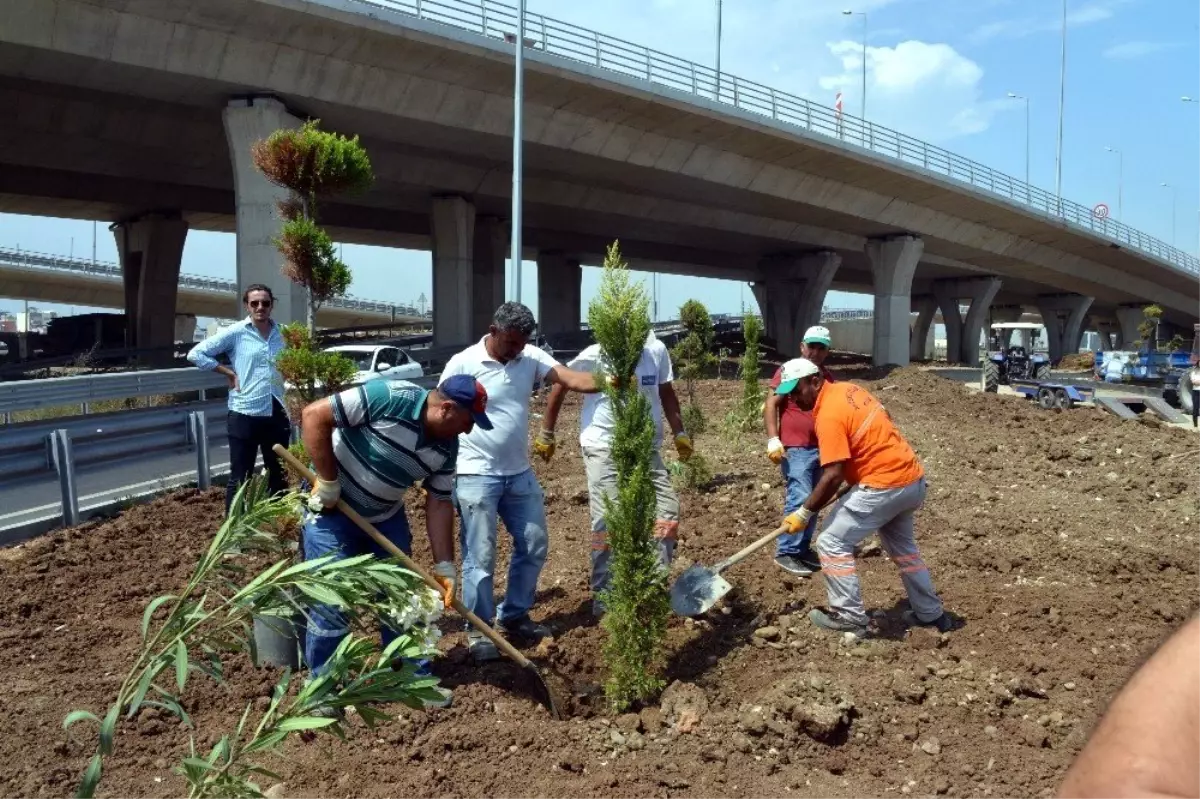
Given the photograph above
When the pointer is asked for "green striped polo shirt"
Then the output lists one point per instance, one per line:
(382, 449)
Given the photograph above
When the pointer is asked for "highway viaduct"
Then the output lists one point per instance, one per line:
(143, 112)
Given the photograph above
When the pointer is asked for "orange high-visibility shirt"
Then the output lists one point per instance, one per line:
(852, 426)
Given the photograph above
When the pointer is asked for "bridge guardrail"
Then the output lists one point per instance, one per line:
(55, 392)
(497, 20)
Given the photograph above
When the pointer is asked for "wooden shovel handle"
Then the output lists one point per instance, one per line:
(378, 537)
(737, 557)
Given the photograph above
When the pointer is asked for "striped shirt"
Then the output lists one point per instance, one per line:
(252, 359)
(382, 448)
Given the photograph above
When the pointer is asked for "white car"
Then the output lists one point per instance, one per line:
(379, 362)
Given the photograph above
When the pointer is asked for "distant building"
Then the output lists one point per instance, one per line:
(34, 320)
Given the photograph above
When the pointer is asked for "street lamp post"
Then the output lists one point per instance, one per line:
(1174, 197)
(1024, 99)
(863, 14)
(1062, 94)
(717, 90)
(1120, 177)
(518, 132)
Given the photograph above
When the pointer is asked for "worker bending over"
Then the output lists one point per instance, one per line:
(860, 445)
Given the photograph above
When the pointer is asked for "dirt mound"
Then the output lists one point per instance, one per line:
(1065, 541)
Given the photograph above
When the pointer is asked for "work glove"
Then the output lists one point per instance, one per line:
(775, 451)
(325, 495)
(445, 575)
(683, 445)
(544, 445)
(797, 521)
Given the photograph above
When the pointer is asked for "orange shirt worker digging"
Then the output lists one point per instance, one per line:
(860, 445)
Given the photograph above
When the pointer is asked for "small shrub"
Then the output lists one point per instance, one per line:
(747, 415)
(693, 474)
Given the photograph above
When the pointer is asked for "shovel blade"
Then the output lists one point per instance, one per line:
(697, 590)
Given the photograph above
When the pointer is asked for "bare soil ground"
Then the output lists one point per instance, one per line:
(1066, 541)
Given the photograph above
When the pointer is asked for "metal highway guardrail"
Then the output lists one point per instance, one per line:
(498, 20)
(35, 261)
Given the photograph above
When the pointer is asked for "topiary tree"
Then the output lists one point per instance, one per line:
(1148, 329)
(747, 414)
(693, 358)
(637, 596)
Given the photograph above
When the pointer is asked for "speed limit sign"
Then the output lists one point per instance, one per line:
(1100, 211)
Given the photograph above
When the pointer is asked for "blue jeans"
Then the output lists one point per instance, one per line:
(332, 533)
(801, 469)
(519, 501)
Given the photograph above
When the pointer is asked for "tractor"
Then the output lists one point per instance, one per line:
(1011, 356)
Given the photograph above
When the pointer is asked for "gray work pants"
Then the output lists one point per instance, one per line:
(858, 514)
(602, 482)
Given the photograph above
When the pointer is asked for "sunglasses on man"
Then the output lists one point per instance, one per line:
(259, 303)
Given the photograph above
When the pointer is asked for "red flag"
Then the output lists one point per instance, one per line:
(837, 104)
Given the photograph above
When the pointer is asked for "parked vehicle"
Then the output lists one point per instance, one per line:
(379, 362)
(1011, 356)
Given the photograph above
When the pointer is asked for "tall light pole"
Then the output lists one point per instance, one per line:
(1062, 95)
(1120, 177)
(717, 90)
(518, 133)
(863, 14)
(1174, 196)
(1024, 99)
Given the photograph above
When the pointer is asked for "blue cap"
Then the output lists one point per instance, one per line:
(470, 394)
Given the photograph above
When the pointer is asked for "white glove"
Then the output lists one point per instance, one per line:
(775, 450)
(325, 495)
(445, 575)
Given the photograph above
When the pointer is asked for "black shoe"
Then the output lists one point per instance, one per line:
(524, 628)
(943, 623)
(482, 650)
(793, 564)
(830, 620)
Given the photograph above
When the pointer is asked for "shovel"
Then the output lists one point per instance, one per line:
(504, 646)
(699, 588)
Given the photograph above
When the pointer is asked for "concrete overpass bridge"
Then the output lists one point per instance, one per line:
(144, 112)
(52, 278)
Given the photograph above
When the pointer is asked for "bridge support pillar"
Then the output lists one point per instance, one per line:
(150, 248)
(248, 120)
(946, 292)
(1108, 330)
(981, 292)
(893, 263)
(1007, 313)
(1063, 316)
(560, 282)
(791, 292)
(491, 249)
(918, 343)
(453, 271)
(1129, 319)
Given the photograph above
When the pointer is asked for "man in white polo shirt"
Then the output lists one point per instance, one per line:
(495, 478)
(655, 379)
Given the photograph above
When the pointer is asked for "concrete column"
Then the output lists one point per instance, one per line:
(248, 120)
(150, 249)
(1063, 316)
(946, 292)
(918, 343)
(981, 291)
(560, 281)
(791, 292)
(491, 249)
(453, 222)
(893, 263)
(1109, 332)
(1006, 313)
(1129, 318)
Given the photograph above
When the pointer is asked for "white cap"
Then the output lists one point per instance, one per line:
(793, 372)
(818, 334)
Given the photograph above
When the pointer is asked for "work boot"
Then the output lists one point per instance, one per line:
(524, 628)
(798, 565)
(482, 650)
(943, 623)
(831, 620)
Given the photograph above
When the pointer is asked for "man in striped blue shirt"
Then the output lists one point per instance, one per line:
(257, 419)
(368, 445)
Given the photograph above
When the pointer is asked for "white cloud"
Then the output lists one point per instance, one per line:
(1136, 49)
(1089, 14)
(926, 90)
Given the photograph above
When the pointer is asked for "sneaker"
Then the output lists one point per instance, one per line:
(792, 564)
(943, 623)
(524, 628)
(447, 697)
(830, 620)
(482, 650)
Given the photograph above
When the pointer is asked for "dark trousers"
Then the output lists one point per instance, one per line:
(1195, 405)
(248, 435)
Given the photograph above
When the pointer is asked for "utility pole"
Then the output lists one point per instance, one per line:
(1062, 95)
(717, 90)
(518, 133)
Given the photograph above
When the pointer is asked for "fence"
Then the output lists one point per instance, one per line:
(554, 37)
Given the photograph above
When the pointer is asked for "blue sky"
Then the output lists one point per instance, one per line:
(937, 69)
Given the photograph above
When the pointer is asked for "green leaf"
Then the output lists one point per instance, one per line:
(142, 687)
(79, 715)
(304, 723)
(107, 728)
(154, 605)
(181, 664)
(91, 778)
(264, 743)
(197, 763)
(171, 706)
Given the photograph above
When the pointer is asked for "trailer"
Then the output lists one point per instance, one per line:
(1051, 395)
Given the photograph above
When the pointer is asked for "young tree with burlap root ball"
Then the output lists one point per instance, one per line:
(636, 601)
